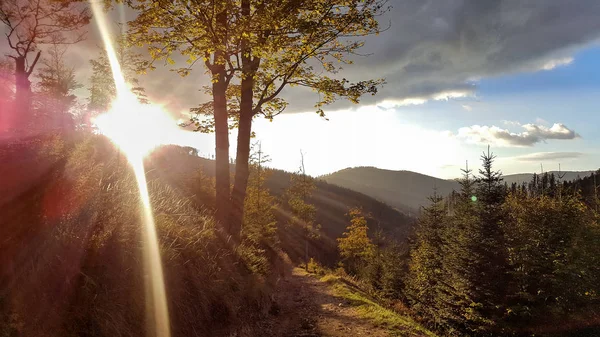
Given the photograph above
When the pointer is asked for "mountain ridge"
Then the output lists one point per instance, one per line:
(409, 190)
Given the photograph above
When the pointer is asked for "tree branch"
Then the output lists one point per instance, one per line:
(37, 57)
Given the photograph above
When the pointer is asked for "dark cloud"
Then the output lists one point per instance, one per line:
(432, 50)
(533, 134)
(541, 156)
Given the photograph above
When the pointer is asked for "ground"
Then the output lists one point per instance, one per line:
(308, 306)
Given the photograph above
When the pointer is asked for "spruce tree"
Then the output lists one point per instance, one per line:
(425, 269)
(303, 213)
(491, 269)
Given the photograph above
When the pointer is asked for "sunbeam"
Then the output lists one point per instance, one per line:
(137, 129)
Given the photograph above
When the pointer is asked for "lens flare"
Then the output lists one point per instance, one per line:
(137, 129)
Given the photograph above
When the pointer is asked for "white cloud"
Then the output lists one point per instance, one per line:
(511, 123)
(467, 107)
(442, 96)
(532, 134)
(551, 64)
(542, 156)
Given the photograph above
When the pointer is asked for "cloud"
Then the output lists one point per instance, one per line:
(511, 123)
(467, 107)
(532, 134)
(551, 64)
(442, 96)
(432, 48)
(542, 156)
(440, 46)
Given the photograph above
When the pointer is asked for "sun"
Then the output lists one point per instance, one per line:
(136, 128)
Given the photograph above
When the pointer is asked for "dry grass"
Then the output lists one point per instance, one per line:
(72, 260)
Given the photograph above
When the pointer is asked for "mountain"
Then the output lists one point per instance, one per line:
(404, 190)
(407, 190)
(175, 165)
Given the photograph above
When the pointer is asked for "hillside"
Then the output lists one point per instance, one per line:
(407, 190)
(404, 190)
(332, 202)
(72, 262)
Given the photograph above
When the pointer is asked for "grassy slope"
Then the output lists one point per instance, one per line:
(369, 308)
(70, 251)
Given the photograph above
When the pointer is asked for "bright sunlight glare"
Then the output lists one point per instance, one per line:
(137, 129)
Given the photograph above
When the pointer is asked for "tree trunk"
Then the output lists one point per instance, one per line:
(22, 107)
(306, 253)
(241, 164)
(244, 132)
(219, 90)
(221, 151)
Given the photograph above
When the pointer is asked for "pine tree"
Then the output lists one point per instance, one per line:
(55, 95)
(426, 264)
(303, 213)
(491, 269)
(259, 230)
(553, 255)
(456, 305)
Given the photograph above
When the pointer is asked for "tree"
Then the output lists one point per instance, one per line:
(553, 255)
(259, 231)
(457, 308)
(6, 92)
(29, 24)
(55, 90)
(303, 213)
(102, 85)
(355, 246)
(275, 52)
(426, 263)
(491, 269)
(253, 50)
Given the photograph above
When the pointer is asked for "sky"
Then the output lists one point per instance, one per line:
(519, 76)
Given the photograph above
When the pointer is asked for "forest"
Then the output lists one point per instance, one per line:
(489, 259)
(495, 260)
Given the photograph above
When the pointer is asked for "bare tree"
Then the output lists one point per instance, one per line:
(29, 24)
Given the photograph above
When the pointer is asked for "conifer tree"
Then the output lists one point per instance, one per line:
(259, 219)
(457, 307)
(55, 96)
(425, 269)
(553, 255)
(303, 213)
(491, 269)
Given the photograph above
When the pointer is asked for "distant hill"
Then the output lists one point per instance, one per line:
(407, 190)
(526, 177)
(332, 202)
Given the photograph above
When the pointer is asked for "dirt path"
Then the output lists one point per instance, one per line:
(308, 308)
